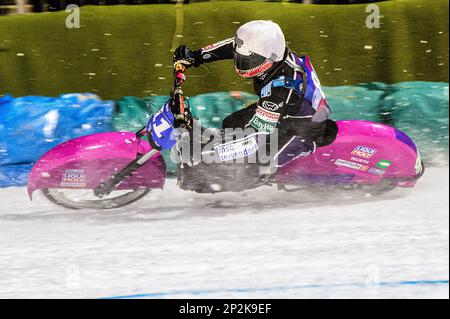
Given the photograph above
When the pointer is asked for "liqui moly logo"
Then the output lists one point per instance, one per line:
(73, 178)
(363, 151)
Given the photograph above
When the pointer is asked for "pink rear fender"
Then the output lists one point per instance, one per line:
(364, 152)
(86, 161)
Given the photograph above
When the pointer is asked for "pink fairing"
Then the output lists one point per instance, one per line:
(86, 161)
(329, 164)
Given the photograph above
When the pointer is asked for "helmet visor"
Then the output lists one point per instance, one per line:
(250, 65)
(247, 62)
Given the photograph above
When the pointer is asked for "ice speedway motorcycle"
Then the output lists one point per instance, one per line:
(113, 169)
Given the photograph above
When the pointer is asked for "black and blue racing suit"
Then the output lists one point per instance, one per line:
(291, 100)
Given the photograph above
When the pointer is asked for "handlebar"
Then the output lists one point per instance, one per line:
(179, 70)
(180, 110)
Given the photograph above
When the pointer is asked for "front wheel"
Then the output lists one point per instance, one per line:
(85, 198)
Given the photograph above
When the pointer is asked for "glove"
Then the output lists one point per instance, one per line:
(185, 56)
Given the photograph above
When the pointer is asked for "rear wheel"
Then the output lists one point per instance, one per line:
(85, 198)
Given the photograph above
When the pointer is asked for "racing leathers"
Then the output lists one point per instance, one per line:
(291, 101)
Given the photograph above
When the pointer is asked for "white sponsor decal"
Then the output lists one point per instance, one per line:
(352, 165)
(237, 149)
(376, 171)
(264, 121)
(359, 160)
(217, 44)
(271, 106)
(267, 116)
(266, 90)
(73, 178)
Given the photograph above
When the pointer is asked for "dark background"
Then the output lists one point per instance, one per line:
(56, 5)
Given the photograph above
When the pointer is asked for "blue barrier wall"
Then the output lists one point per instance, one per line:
(31, 125)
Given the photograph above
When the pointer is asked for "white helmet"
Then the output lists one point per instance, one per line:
(257, 45)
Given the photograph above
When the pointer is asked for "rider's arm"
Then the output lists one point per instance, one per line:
(218, 51)
(314, 93)
(221, 50)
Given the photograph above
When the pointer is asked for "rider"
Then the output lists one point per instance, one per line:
(290, 96)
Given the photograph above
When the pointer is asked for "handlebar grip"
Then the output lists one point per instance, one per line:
(178, 67)
(181, 76)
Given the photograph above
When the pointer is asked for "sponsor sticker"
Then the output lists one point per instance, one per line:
(266, 115)
(352, 165)
(383, 164)
(317, 98)
(73, 178)
(363, 151)
(271, 106)
(237, 149)
(359, 160)
(264, 121)
(376, 171)
(215, 45)
(266, 90)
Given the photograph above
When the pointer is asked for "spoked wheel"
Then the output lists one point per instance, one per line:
(85, 198)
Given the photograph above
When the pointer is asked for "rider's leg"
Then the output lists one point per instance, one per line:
(295, 148)
(298, 139)
(241, 118)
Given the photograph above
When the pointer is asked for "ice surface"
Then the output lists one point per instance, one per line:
(261, 243)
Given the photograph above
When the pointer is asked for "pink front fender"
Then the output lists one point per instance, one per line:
(86, 161)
